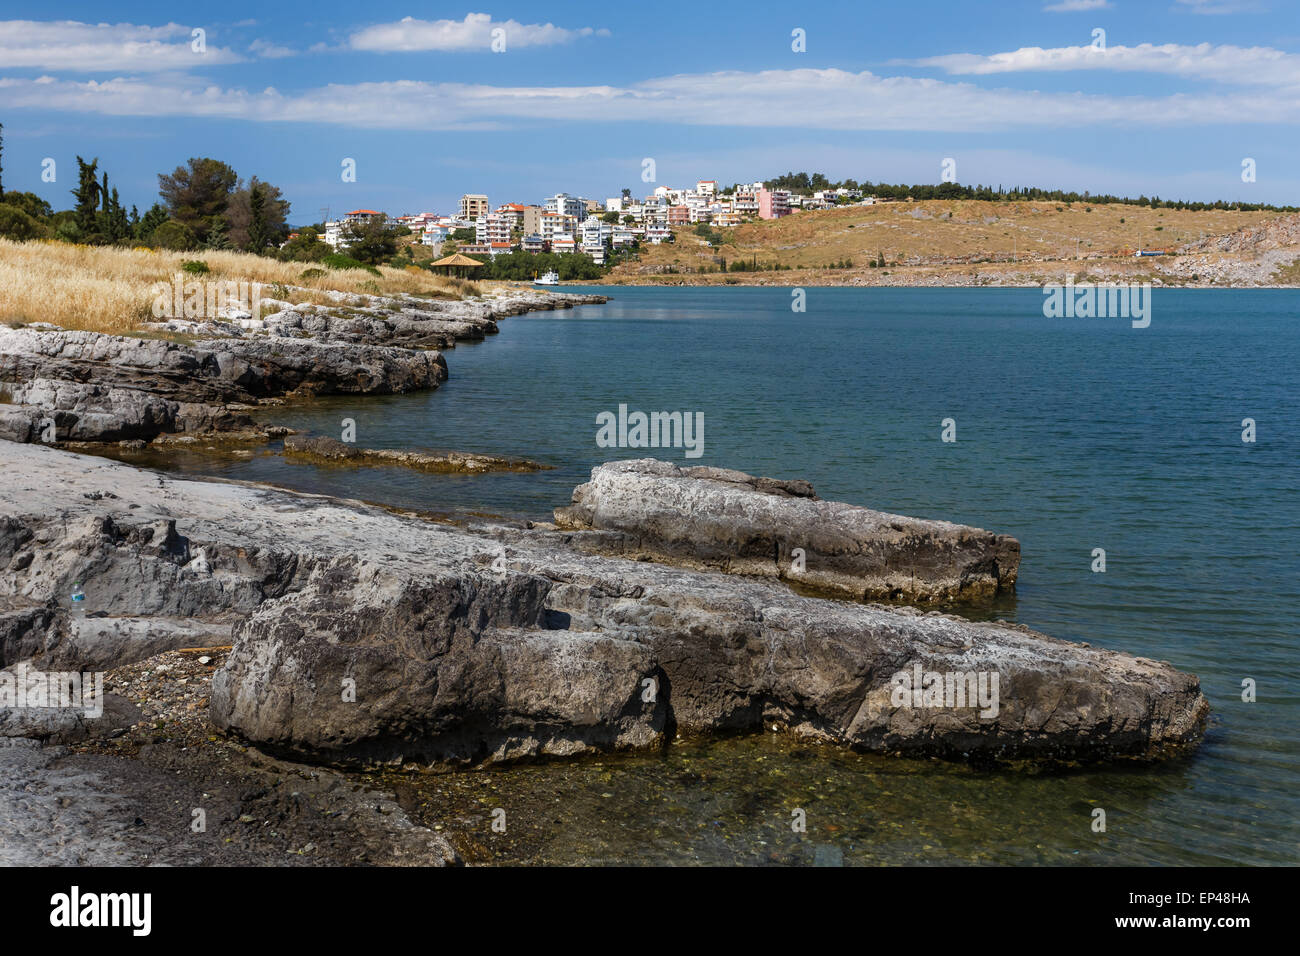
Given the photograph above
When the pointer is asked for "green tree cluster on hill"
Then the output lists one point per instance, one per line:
(805, 185)
(372, 241)
(221, 211)
(196, 195)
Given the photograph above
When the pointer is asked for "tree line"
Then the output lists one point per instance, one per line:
(805, 185)
(203, 204)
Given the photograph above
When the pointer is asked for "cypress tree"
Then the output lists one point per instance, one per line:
(87, 196)
(258, 236)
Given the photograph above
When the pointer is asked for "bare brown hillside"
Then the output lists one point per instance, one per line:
(964, 242)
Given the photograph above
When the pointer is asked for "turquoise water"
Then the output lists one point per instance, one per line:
(1072, 434)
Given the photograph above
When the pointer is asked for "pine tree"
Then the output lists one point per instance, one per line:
(151, 220)
(219, 235)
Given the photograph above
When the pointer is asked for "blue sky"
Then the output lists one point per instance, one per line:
(1016, 93)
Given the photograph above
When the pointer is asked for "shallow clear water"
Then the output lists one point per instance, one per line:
(1073, 434)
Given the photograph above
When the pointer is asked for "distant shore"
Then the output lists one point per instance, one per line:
(1244, 275)
(974, 243)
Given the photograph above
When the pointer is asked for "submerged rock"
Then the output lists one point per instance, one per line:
(331, 450)
(718, 518)
(363, 636)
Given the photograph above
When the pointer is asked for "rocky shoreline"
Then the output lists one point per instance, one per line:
(200, 379)
(281, 639)
(362, 637)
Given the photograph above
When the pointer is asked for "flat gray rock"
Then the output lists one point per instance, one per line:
(731, 521)
(364, 636)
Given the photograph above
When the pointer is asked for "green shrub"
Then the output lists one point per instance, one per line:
(195, 266)
(313, 274)
(305, 247)
(18, 225)
(336, 260)
(173, 235)
(30, 203)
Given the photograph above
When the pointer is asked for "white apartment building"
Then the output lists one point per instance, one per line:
(492, 228)
(654, 212)
(595, 234)
(515, 212)
(555, 224)
(657, 232)
(435, 235)
(565, 205)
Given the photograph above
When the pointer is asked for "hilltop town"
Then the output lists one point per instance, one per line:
(851, 235)
(571, 224)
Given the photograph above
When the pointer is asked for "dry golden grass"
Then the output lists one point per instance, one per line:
(942, 232)
(108, 289)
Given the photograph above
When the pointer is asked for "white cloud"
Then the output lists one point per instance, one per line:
(475, 32)
(270, 51)
(1212, 7)
(1077, 6)
(103, 47)
(1263, 66)
(799, 99)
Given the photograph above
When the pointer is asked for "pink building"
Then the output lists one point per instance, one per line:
(773, 203)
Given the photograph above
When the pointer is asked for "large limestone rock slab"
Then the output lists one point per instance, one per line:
(718, 518)
(483, 643)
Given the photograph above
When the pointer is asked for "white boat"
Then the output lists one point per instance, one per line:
(550, 278)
